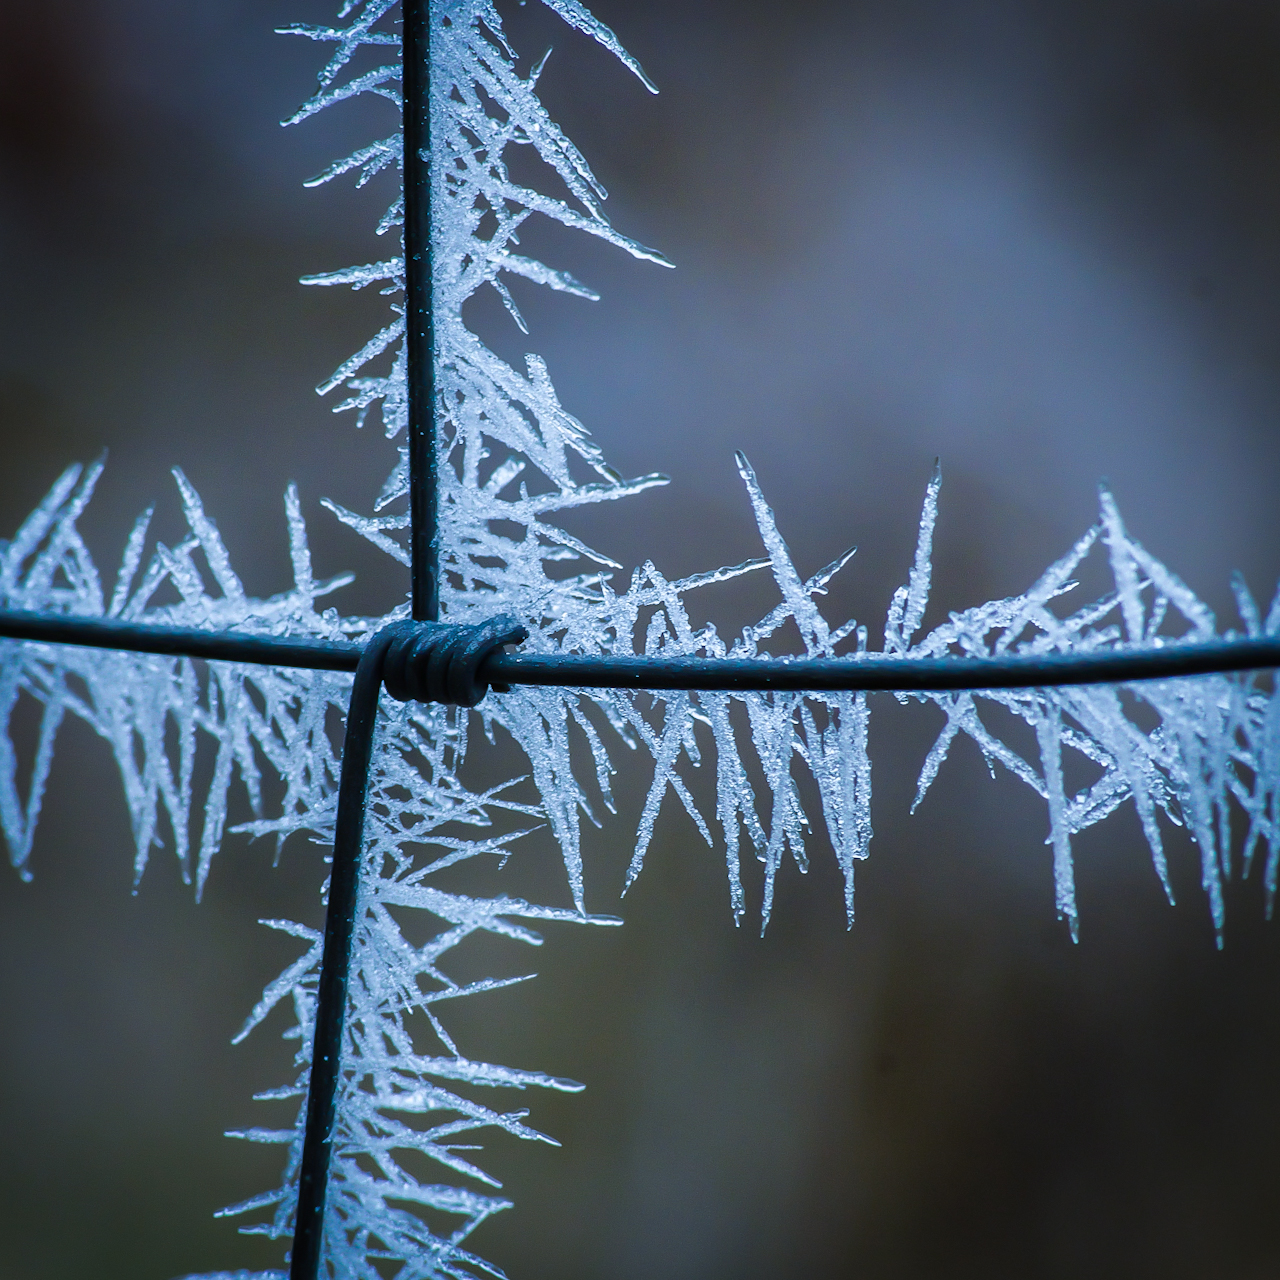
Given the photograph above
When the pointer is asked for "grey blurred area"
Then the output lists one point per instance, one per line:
(1040, 241)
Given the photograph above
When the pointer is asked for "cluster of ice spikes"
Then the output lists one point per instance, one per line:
(510, 458)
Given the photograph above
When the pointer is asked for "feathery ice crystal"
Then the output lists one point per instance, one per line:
(511, 457)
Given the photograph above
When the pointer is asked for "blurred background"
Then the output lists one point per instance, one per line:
(1041, 241)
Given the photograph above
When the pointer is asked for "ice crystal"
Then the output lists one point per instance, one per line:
(1204, 753)
(154, 710)
(1215, 740)
(511, 456)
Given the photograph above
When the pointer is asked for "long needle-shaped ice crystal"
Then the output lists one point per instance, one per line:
(1200, 752)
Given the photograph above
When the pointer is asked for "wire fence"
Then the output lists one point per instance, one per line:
(426, 660)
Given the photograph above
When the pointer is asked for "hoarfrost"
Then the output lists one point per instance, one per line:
(1199, 752)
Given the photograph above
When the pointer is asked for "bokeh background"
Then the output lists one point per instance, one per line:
(1041, 241)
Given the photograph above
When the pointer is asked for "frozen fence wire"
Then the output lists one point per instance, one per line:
(510, 458)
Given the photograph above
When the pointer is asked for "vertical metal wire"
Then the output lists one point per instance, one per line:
(419, 321)
(331, 1005)
(335, 964)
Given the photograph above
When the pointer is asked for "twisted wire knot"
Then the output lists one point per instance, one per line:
(441, 661)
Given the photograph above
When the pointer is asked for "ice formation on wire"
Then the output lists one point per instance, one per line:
(155, 710)
(1215, 744)
(511, 457)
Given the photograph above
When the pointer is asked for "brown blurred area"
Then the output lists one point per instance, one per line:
(1041, 241)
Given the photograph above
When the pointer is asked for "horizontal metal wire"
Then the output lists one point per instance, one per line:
(181, 642)
(861, 673)
(873, 672)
